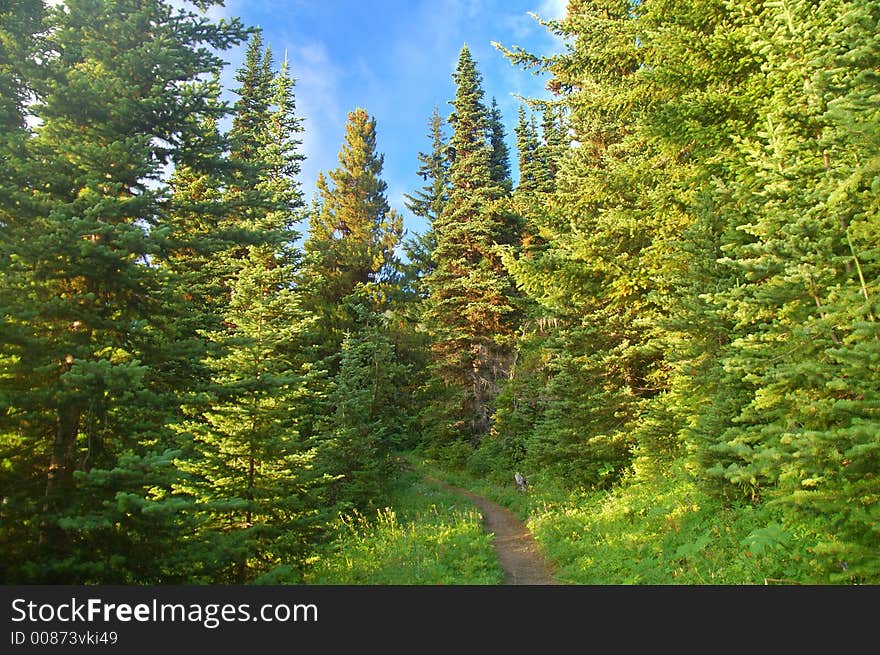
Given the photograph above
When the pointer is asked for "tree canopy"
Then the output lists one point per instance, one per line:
(665, 276)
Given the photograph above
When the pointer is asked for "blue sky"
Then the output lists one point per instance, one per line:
(395, 59)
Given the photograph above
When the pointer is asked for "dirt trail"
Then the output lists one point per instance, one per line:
(518, 552)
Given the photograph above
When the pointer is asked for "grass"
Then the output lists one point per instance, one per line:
(425, 537)
(652, 530)
(656, 529)
(488, 486)
(661, 531)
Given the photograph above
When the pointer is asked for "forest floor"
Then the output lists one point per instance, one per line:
(518, 552)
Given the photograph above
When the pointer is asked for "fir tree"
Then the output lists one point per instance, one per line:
(366, 411)
(500, 158)
(527, 145)
(434, 170)
(535, 181)
(120, 99)
(251, 467)
(353, 235)
(471, 311)
(599, 272)
(20, 41)
(253, 106)
(804, 433)
(24, 423)
(554, 144)
(427, 204)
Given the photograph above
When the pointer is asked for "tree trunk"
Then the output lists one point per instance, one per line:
(59, 483)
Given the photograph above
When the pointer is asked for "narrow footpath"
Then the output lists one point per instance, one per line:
(516, 548)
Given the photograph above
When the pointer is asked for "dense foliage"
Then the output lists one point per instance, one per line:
(668, 321)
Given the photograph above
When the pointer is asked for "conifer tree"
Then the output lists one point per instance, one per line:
(366, 411)
(23, 452)
(470, 308)
(251, 466)
(427, 204)
(804, 433)
(119, 101)
(353, 235)
(500, 157)
(600, 273)
(195, 238)
(527, 145)
(536, 179)
(253, 106)
(350, 280)
(197, 217)
(554, 144)
(705, 80)
(20, 28)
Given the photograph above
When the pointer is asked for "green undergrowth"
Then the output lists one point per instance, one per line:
(653, 530)
(493, 487)
(426, 536)
(664, 531)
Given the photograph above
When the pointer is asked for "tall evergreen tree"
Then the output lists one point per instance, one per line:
(366, 412)
(20, 41)
(427, 204)
(251, 467)
(805, 433)
(118, 103)
(353, 236)
(500, 157)
(536, 179)
(600, 274)
(350, 279)
(471, 311)
(554, 143)
(527, 145)
(253, 105)
(23, 452)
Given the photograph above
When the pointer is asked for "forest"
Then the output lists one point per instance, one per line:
(668, 321)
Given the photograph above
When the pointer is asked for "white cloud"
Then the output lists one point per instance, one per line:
(230, 9)
(552, 9)
(317, 103)
(215, 12)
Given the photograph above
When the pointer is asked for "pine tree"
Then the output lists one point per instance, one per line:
(500, 158)
(471, 311)
(427, 204)
(252, 469)
(197, 217)
(350, 278)
(352, 237)
(536, 179)
(119, 101)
